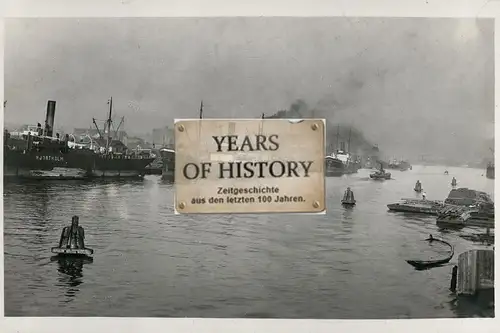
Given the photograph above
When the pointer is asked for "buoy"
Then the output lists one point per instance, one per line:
(418, 186)
(348, 198)
(72, 241)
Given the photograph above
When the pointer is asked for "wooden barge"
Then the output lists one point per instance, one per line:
(431, 207)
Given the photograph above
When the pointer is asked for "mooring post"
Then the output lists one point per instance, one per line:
(475, 272)
(454, 273)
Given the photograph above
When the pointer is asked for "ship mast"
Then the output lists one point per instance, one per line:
(119, 125)
(338, 131)
(108, 123)
(349, 141)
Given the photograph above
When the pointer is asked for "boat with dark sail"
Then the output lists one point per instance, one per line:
(426, 264)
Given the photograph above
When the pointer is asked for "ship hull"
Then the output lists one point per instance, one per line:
(168, 164)
(111, 167)
(334, 167)
(56, 173)
(117, 173)
(74, 164)
(39, 165)
(168, 175)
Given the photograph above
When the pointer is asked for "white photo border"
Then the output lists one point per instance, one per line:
(204, 8)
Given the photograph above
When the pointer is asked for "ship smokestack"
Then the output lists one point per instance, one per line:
(50, 117)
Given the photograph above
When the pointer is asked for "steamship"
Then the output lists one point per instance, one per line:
(36, 154)
(108, 157)
(401, 165)
(341, 162)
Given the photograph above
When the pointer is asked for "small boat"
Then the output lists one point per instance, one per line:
(380, 175)
(426, 264)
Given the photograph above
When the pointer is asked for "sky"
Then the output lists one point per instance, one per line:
(413, 86)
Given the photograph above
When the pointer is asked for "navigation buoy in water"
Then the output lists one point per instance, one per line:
(418, 187)
(348, 198)
(72, 241)
(453, 182)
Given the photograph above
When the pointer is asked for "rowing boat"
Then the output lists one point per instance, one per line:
(426, 264)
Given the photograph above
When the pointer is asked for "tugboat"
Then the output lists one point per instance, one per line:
(380, 174)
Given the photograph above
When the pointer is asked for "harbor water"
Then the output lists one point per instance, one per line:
(148, 262)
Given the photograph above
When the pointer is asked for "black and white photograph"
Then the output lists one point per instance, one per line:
(89, 226)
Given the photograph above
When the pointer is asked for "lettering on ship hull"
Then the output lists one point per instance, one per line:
(49, 158)
(117, 173)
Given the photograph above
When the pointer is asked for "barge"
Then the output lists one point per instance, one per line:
(423, 206)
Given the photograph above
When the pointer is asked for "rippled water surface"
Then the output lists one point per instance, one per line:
(349, 263)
